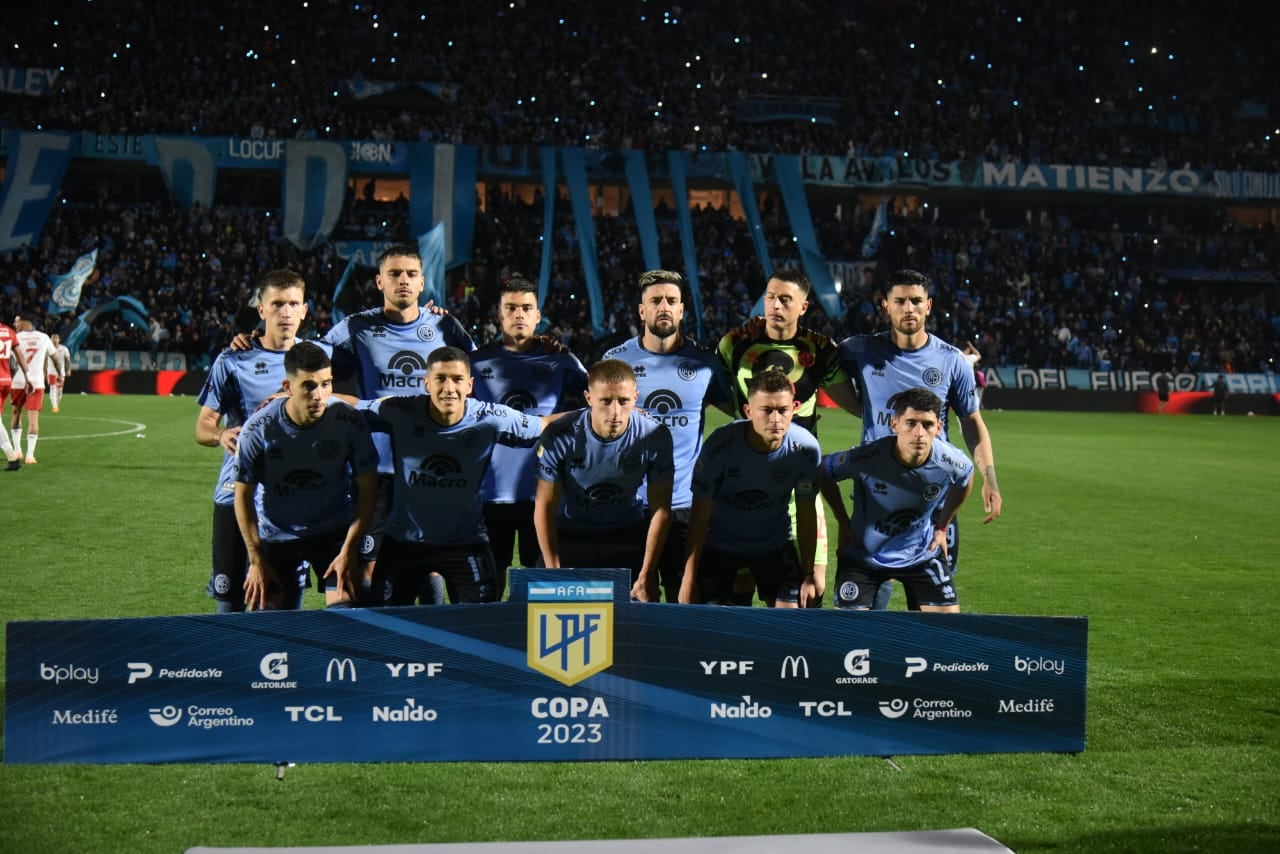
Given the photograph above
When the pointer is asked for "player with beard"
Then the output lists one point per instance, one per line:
(676, 379)
(907, 356)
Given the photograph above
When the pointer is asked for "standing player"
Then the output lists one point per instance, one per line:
(239, 381)
(59, 370)
(675, 379)
(746, 477)
(306, 478)
(387, 349)
(523, 371)
(907, 356)
(9, 350)
(809, 359)
(907, 488)
(587, 510)
(28, 389)
(1219, 395)
(441, 444)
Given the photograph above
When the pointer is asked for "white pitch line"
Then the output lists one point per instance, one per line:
(135, 427)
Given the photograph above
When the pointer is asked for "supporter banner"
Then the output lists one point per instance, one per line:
(740, 174)
(678, 161)
(364, 252)
(189, 168)
(1085, 380)
(36, 165)
(442, 189)
(519, 161)
(823, 111)
(127, 360)
(314, 191)
(67, 286)
(642, 207)
(35, 82)
(572, 672)
(414, 94)
(575, 175)
(787, 173)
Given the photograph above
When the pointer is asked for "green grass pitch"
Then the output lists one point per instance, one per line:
(1162, 530)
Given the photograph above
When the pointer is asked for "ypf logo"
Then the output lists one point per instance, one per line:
(274, 666)
(894, 709)
(166, 716)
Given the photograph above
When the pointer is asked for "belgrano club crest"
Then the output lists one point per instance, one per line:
(570, 634)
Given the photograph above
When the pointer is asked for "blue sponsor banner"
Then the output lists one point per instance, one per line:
(1054, 379)
(572, 673)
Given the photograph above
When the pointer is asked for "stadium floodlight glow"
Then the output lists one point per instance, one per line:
(1079, 68)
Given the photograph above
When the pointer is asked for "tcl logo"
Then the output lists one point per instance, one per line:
(312, 714)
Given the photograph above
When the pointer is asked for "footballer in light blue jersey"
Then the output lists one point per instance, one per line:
(676, 380)
(441, 444)
(238, 383)
(746, 478)
(305, 483)
(535, 375)
(389, 357)
(590, 465)
(907, 488)
(907, 356)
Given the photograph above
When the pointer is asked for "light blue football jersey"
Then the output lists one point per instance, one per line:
(535, 383)
(674, 389)
(893, 504)
(600, 479)
(304, 474)
(752, 489)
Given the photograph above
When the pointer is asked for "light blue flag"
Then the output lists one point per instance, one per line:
(314, 191)
(787, 171)
(548, 158)
(431, 247)
(879, 225)
(442, 189)
(337, 313)
(575, 175)
(642, 205)
(677, 161)
(67, 287)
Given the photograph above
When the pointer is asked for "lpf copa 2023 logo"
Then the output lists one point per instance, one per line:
(570, 629)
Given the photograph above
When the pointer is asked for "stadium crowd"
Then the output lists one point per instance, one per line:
(1068, 287)
(1090, 83)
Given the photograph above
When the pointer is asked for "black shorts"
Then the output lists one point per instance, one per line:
(381, 509)
(926, 583)
(230, 558)
(504, 522)
(402, 570)
(671, 562)
(293, 559)
(612, 548)
(776, 572)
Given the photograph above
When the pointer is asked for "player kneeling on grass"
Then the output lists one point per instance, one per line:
(746, 475)
(304, 451)
(906, 490)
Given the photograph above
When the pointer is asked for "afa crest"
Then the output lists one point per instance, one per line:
(570, 629)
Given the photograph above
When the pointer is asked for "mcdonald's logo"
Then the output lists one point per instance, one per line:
(340, 670)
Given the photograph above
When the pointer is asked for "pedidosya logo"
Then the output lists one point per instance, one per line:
(570, 629)
(274, 667)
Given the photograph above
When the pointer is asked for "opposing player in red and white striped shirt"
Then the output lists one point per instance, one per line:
(28, 391)
(9, 350)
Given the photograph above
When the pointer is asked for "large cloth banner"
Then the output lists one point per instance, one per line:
(189, 168)
(431, 246)
(568, 670)
(740, 174)
(642, 207)
(442, 189)
(575, 176)
(37, 163)
(315, 190)
(678, 164)
(547, 156)
(787, 172)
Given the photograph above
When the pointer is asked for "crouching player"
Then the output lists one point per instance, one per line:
(304, 451)
(906, 490)
(743, 485)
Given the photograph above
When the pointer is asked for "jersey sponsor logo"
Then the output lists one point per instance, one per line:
(932, 377)
(631, 462)
(485, 372)
(438, 470)
(328, 449)
(880, 488)
(781, 474)
(687, 370)
(661, 404)
(604, 494)
(404, 370)
(305, 480)
(519, 400)
(749, 500)
(570, 641)
(897, 522)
